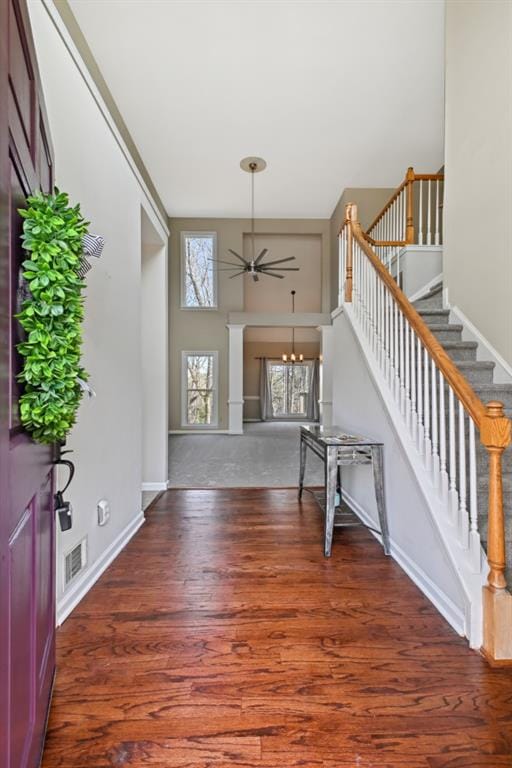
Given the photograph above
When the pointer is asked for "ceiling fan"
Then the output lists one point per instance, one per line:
(255, 266)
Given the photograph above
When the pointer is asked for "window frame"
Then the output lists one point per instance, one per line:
(289, 364)
(185, 354)
(183, 290)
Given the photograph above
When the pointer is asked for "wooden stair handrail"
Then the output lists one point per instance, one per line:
(410, 177)
(494, 427)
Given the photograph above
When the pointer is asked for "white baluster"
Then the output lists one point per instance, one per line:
(414, 415)
(442, 439)
(371, 291)
(474, 536)
(390, 341)
(402, 364)
(364, 265)
(426, 412)
(389, 338)
(420, 214)
(452, 491)
(429, 216)
(435, 426)
(421, 431)
(382, 326)
(463, 510)
(341, 270)
(407, 376)
(398, 233)
(396, 385)
(404, 214)
(437, 233)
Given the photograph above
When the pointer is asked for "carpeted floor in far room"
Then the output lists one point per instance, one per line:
(265, 456)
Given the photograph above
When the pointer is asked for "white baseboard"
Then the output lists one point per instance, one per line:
(485, 350)
(199, 432)
(452, 613)
(161, 486)
(71, 598)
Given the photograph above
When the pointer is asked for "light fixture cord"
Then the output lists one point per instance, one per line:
(252, 214)
(293, 327)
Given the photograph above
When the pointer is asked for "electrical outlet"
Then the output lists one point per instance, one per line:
(103, 508)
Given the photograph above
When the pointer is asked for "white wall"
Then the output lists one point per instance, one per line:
(416, 542)
(107, 439)
(478, 159)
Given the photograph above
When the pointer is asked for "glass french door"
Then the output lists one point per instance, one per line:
(290, 385)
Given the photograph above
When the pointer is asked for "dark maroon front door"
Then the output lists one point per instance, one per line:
(27, 580)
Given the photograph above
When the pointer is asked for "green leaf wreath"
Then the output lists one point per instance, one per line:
(51, 316)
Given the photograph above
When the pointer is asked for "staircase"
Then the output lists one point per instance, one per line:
(452, 419)
(480, 374)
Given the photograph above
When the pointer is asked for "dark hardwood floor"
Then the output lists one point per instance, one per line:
(222, 637)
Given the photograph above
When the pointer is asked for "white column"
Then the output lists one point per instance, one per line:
(236, 379)
(325, 396)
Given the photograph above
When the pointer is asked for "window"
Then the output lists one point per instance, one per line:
(199, 389)
(289, 389)
(198, 273)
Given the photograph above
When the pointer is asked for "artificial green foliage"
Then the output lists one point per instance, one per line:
(52, 316)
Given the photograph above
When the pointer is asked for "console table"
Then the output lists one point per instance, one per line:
(337, 449)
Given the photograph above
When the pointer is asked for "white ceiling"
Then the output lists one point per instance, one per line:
(332, 94)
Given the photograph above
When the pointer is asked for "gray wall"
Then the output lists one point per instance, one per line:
(478, 189)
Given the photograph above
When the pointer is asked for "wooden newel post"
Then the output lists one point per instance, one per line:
(497, 600)
(350, 217)
(409, 200)
(495, 436)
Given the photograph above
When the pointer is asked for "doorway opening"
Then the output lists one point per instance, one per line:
(290, 389)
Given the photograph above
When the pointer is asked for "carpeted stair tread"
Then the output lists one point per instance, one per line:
(477, 372)
(461, 350)
(434, 315)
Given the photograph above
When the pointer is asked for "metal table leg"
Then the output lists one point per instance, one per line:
(302, 470)
(378, 476)
(331, 475)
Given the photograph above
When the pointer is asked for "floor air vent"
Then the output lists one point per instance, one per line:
(74, 562)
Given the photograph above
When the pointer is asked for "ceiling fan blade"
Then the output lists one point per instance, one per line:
(272, 274)
(237, 273)
(279, 261)
(228, 269)
(262, 268)
(220, 261)
(246, 263)
(259, 258)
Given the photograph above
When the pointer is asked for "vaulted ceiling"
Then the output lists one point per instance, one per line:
(332, 94)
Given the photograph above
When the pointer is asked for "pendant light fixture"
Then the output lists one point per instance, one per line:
(254, 266)
(293, 358)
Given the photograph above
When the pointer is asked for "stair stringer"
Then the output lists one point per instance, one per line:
(463, 612)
